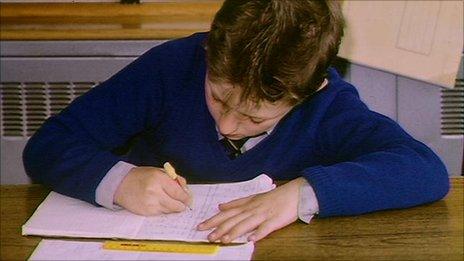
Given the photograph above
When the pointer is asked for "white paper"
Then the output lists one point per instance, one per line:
(418, 39)
(78, 250)
(62, 216)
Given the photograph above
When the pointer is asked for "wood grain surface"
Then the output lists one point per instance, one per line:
(104, 21)
(429, 232)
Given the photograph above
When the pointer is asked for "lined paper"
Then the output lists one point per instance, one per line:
(60, 215)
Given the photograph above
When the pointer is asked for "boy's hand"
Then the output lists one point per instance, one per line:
(264, 212)
(150, 191)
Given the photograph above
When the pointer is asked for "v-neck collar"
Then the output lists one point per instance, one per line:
(211, 135)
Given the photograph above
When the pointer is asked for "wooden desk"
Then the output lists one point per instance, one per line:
(105, 21)
(430, 232)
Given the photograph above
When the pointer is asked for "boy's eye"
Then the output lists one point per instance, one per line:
(256, 121)
(221, 103)
(216, 99)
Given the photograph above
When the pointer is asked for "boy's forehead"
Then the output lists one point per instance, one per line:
(231, 95)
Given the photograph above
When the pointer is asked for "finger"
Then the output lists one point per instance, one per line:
(175, 191)
(164, 210)
(169, 205)
(183, 183)
(163, 207)
(235, 203)
(218, 219)
(146, 210)
(151, 208)
(244, 226)
(224, 230)
(265, 229)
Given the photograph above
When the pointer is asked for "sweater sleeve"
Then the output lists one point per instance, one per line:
(72, 151)
(369, 163)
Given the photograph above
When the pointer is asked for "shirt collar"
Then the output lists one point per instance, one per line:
(270, 130)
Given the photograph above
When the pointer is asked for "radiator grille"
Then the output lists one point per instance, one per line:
(25, 106)
(452, 108)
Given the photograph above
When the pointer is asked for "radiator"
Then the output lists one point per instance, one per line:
(40, 78)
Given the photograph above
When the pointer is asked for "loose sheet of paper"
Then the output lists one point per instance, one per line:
(417, 39)
(78, 250)
(59, 215)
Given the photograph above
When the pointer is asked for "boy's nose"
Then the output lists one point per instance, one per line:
(227, 123)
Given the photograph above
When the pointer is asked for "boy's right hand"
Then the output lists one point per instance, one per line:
(150, 191)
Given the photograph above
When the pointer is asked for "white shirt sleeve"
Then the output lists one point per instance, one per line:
(104, 195)
(307, 204)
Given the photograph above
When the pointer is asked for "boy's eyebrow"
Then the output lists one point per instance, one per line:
(213, 91)
(215, 94)
(257, 117)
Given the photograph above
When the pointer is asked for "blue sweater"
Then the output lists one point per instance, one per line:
(356, 160)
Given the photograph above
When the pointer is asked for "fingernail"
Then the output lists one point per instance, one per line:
(225, 239)
(212, 236)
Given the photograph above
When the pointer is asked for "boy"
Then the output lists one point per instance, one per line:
(255, 95)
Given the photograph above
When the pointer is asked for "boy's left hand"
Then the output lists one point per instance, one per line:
(264, 212)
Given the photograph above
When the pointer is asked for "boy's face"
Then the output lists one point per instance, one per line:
(237, 120)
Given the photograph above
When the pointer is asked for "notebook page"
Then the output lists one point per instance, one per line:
(59, 215)
(78, 250)
(182, 226)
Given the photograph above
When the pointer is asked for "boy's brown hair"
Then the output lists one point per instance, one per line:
(274, 49)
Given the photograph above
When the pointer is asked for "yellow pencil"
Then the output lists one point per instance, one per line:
(172, 173)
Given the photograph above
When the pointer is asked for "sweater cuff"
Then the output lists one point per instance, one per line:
(104, 195)
(307, 203)
(329, 203)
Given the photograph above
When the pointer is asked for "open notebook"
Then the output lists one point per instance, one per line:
(63, 216)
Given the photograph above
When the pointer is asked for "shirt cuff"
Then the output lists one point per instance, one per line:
(307, 204)
(104, 195)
